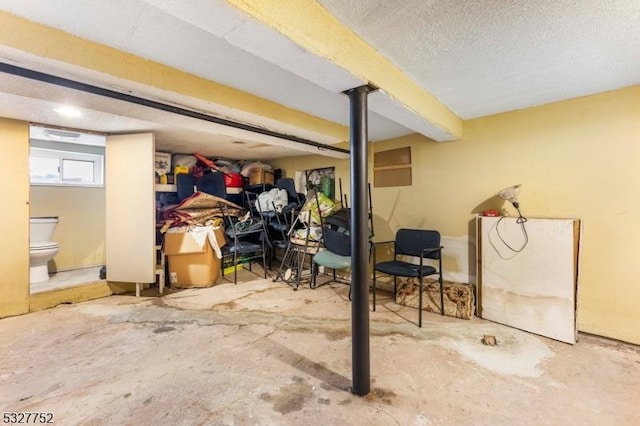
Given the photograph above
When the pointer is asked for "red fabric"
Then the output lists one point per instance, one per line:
(205, 161)
(233, 180)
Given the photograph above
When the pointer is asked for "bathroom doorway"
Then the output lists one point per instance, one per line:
(67, 183)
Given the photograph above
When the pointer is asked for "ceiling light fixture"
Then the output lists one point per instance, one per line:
(41, 133)
(61, 134)
(68, 111)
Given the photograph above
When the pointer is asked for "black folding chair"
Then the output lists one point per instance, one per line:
(421, 243)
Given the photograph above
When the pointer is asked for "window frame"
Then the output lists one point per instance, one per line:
(61, 155)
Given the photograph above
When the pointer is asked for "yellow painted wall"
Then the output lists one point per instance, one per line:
(575, 159)
(81, 227)
(14, 226)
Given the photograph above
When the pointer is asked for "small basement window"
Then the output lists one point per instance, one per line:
(51, 167)
(59, 163)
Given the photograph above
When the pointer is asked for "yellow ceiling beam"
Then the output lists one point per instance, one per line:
(311, 26)
(48, 42)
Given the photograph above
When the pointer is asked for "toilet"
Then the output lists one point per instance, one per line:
(41, 248)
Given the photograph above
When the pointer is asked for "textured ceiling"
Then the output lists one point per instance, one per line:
(488, 56)
(189, 37)
(476, 57)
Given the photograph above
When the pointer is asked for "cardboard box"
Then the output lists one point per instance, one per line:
(192, 264)
(162, 163)
(258, 176)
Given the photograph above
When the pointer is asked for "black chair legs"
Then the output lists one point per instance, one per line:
(441, 295)
(395, 288)
(374, 290)
(441, 285)
(235, 270)
(420, 301)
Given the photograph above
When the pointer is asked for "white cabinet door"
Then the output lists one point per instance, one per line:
(130, 204)
(535, 289)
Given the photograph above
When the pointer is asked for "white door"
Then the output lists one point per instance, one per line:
(528, 274)
(130, 204)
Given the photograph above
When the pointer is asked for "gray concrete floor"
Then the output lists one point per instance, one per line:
(260, 353)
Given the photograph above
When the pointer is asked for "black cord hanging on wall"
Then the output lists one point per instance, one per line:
(511, 194)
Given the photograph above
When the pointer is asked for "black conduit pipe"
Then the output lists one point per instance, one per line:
(100, 91)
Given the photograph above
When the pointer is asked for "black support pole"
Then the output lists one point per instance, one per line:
(359, 241)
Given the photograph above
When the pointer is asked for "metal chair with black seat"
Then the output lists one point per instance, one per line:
(278, 218)
(294, 197)
(278, 231)
(247, 242)
(268, 216)
(421, 243)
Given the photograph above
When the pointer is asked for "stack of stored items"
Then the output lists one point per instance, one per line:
(198, 209)
(192, 220)
(197, 172)
(219, 180)
(194, 235)
(336, 241)
(304, 239)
